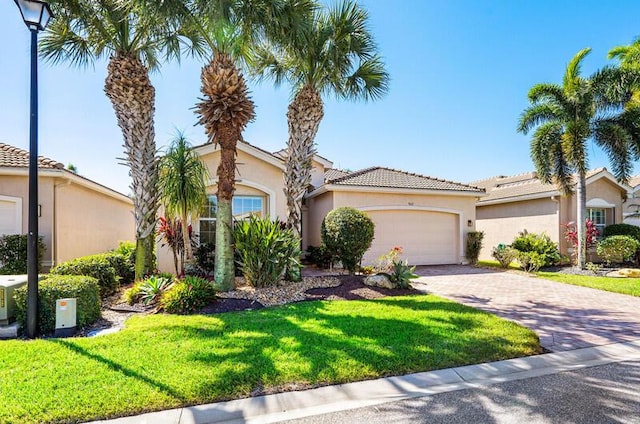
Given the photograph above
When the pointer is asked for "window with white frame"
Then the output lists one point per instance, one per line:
(241, 207)
(599, 218)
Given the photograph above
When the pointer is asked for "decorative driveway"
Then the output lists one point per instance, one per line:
(564, 316)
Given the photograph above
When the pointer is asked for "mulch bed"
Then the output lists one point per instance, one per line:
(351, 288)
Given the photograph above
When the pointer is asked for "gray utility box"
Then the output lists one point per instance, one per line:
(8, 284)
(65, 317)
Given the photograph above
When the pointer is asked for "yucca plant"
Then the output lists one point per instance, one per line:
(152, 288)
(267, 251)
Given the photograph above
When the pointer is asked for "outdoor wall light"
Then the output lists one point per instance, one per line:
(469, 223)
(36, 15)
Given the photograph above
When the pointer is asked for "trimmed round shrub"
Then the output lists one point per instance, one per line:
(96, 266)
(347, 233)
(474, 245)
(617, 249)
(546, 250)
(622, 230)
(53, 287)
(188, 296)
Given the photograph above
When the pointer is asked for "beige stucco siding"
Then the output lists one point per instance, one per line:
(318, 207)
(501, 223)
(89, 222)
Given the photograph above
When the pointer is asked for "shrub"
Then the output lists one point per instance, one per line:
(132, 294)
(84, 289)
(402, 274)
(13, 254)
(474, 245)
(188, 295)
(96, 266)
(530, 261)
(504, 255)
(319, 256)
(617, 249)
(152, 288)
(622, 230)
(547, 250)
(205, 256)
(347, 233)
(267, 251)
(126, 270)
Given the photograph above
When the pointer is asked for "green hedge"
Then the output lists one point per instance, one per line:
(621, 230)
(84, 289)
(13, 254)
(96, 266)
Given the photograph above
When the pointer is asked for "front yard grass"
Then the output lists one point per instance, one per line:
(166, 361)
(630, 286)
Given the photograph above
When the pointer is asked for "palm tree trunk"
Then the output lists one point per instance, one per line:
(581, 199)
(188, 253)
(304, 116)
(133, 97)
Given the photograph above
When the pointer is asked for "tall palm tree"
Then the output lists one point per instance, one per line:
(335, 55)
(565, 118)
(135, 36)
(226, 108)
(182, 185)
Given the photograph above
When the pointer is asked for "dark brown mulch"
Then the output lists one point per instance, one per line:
(353, 288)
(230, 305)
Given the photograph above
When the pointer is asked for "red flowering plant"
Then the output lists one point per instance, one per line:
(170, 235)
(571, 235)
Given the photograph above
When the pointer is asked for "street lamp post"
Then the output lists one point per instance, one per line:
(36, 15)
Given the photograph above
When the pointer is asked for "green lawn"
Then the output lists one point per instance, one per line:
(630, 286)
(496, 264)
(166, 361)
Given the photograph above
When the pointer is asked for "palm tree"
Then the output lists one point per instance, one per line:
(336, 54)
(182, 185)
(134, 36)
(226, 108)
(565, 118)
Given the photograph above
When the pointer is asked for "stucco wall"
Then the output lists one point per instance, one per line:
(501, 223)
(318, 208)
(89, 222)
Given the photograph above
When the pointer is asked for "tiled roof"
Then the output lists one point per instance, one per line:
(332, 174)
(392, 178)
(634, 181)
(511, 187)
(13, 157)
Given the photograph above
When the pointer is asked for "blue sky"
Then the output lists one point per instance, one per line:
(460, 73)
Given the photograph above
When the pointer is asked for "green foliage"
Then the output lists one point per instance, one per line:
(617, 249)
(319, 256)
(188, 295)
(595, 268)
(504, 255)
(132, 295)
(367, 270)
(531, 261)
(13, 254)
(153, 287)
(473, 246)
(84, 289)
(205, 256)
(622, 230)
(126, 249)
(402, 274)
(347, 233)
(267, 251)
(96, 266)
(545, 249)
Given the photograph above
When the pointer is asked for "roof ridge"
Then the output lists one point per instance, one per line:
(354, 174)
(442, 180)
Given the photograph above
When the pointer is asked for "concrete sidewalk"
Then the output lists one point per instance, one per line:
(323, 400)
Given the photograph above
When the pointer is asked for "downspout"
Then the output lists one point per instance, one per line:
(54, 224)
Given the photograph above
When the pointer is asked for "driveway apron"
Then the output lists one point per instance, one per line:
(564, 316)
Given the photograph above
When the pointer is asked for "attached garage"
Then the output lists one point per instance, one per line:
(10, 215)
(426, 237)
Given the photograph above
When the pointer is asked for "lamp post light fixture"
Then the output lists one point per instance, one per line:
(36, 15)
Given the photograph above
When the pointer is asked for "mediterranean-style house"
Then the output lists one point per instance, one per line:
(523, 202)
(631, 213)
(428, 217)
(77, 216)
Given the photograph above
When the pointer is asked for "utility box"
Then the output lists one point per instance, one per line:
(65, 317)
(8, 284)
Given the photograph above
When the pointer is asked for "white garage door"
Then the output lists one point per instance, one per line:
(9, 217)
(426, 237)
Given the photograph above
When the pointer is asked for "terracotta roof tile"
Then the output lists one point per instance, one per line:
(14, 157)
(332, 174)
(393, 178)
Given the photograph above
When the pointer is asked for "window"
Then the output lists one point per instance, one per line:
(241, 208)
(599, 218)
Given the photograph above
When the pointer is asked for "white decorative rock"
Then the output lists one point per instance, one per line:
(379, 280)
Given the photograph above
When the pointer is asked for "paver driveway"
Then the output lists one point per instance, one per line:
(565, 317)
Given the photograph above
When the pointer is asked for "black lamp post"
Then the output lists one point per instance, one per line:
(36, 15)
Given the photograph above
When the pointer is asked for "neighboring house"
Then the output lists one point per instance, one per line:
(631, 211)
(523, 202)
(77, 216)
(428, 217)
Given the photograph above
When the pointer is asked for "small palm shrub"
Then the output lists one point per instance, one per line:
(504, 255)
(13, 254)
(474, 245)
(267, 252)
(617, 249)
(347, 233)
(53, 287)
(188, 295)
(96, 266)
(535, 250)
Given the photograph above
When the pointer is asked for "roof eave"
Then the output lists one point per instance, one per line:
(368, 189)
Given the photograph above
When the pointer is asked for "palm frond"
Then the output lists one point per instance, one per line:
(538, 114)
(572, 73)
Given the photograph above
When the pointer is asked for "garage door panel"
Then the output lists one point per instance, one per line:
(8, 218)
(427, 237)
